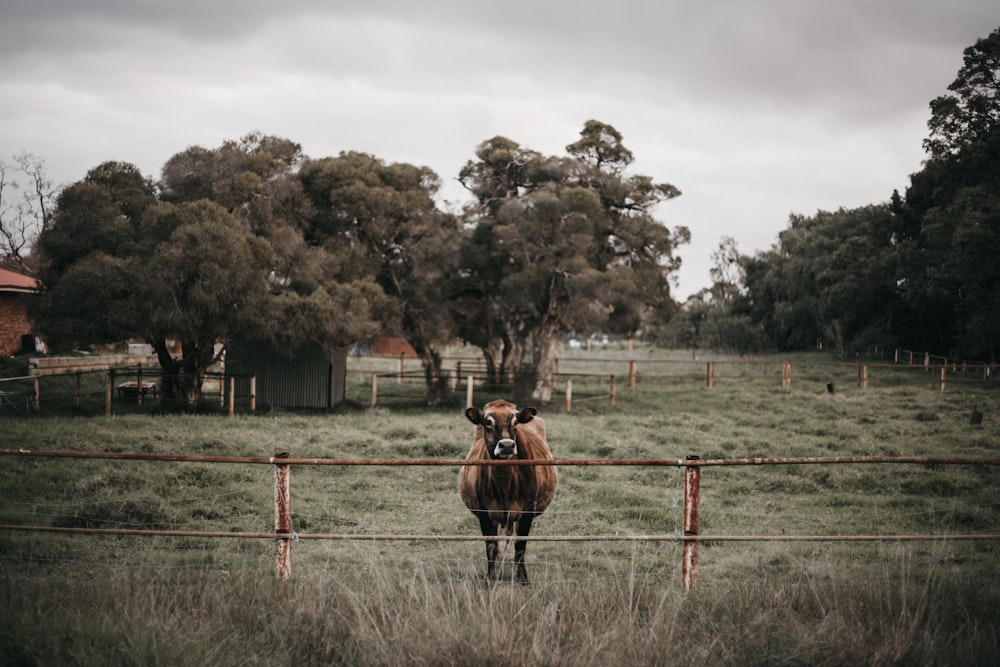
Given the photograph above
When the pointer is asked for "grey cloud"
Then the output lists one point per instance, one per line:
(753, 109)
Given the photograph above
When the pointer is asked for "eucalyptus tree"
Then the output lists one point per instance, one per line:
(378, 222)
(560, 244)
(222, 249)
(118, 264)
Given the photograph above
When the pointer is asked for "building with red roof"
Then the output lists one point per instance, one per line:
(14, 323)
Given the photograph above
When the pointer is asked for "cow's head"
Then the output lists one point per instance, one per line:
(499, 420)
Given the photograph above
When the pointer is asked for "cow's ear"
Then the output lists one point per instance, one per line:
(526, 415)
(474, 415)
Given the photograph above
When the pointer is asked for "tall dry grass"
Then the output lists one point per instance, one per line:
(428, 616)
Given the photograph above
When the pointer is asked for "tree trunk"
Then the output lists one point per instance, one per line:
(437, 386)
(492, 370)
(183, 376)
(514, 345)
(546, 343)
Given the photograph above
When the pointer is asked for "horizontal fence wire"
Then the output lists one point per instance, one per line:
(361, 537)
(678, 462)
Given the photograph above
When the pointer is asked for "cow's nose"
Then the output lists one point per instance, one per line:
(505, 448)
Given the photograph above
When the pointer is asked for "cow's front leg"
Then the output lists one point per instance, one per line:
(489, 528)
(520, 546)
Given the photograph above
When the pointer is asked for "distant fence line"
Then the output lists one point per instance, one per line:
(472, 381)
(689, 537)
(117, 382)
(938, 371)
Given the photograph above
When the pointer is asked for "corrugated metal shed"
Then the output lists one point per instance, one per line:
(307, 377)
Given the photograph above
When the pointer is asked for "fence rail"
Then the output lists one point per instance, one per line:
(114, 381)
(689, 536)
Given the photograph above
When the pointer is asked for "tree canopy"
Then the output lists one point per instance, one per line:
(254, 238)
(559, 244)
(919, 270)
(379, 222)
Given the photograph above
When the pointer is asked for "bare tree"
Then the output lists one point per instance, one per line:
(26, 200)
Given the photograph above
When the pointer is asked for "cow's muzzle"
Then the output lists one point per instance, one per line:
(505, 449)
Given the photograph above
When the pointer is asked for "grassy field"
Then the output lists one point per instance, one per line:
(81, 599)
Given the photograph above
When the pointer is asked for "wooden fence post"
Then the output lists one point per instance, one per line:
(38, 394)
(866, 376)
(283, 516)
(710, 374)
(232, 395)
(253, 393)
(374, 389)
(692, 486)
(76, 391)
(613, 391)
(944, 373)
(468, 391)
(138, 384)
(399, 375)
(631, 372)
(569, 395)
(107, 392)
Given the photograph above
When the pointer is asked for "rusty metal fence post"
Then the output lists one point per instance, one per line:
(689, 558)
(283, 516)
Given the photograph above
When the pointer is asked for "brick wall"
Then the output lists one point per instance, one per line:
(13, 323)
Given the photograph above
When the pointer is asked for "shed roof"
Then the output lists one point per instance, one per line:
(16, 282)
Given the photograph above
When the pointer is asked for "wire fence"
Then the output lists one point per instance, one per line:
(130, 517)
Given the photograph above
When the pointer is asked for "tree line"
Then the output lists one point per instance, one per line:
(920, 270)
(253, 239)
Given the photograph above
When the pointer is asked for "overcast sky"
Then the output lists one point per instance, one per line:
(755, 110)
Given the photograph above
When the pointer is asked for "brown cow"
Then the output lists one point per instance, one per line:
(507, 495)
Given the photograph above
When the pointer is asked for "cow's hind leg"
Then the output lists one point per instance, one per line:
(489, 528)
(520, 546)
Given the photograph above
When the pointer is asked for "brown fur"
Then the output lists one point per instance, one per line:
(507, 496)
